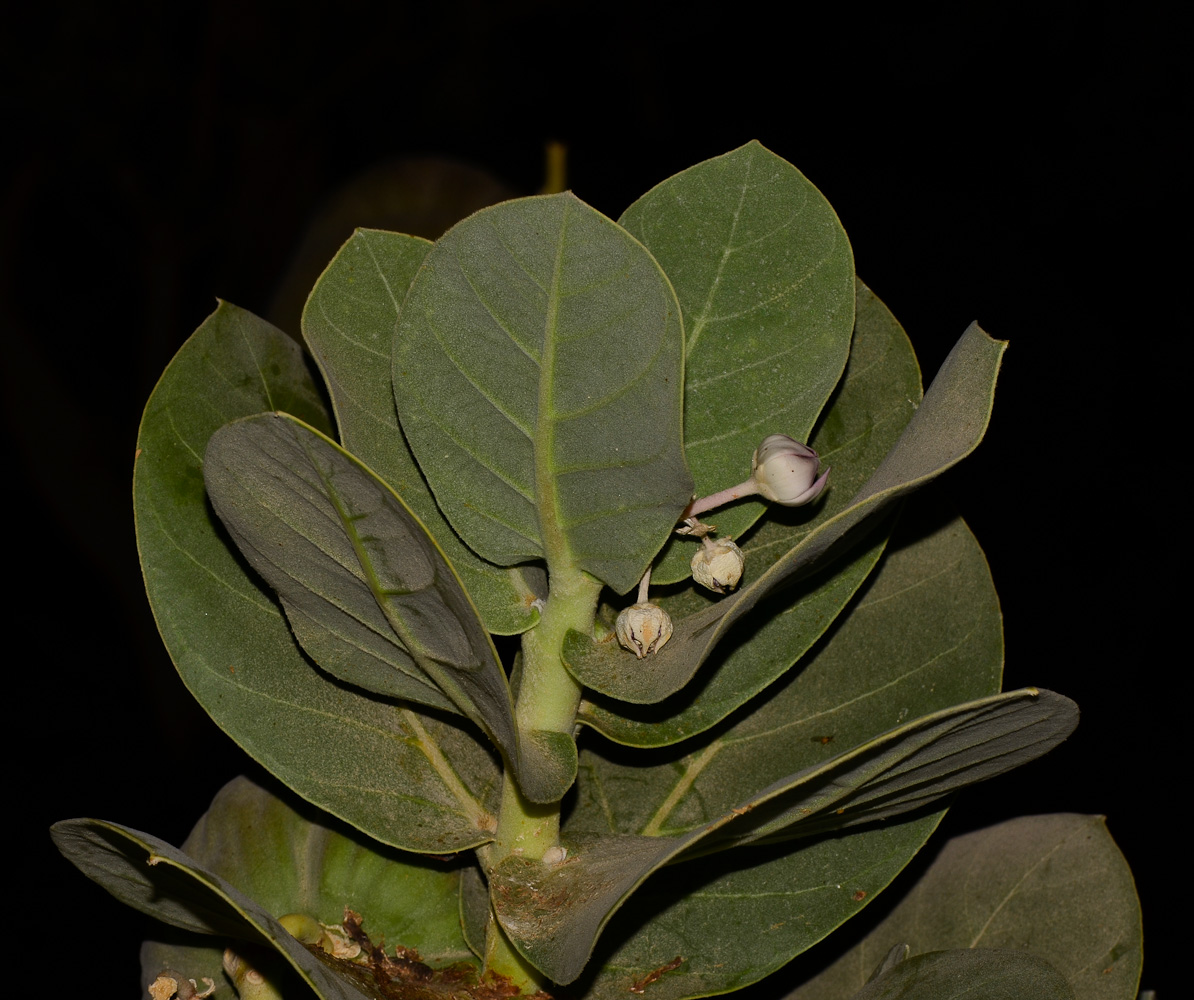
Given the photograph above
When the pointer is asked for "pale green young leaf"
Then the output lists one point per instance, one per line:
(155, 878)
(870, 407)
(538, 372)
(229, 639)
(765, 278)
(948, 425)
(349, 324)
(1056, 886)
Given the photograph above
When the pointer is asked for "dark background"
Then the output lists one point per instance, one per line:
(1013, 163)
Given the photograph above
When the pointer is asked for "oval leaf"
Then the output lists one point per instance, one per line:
(349, 323)
(231, 642)
(990, 973)
(874, 401)
(765, 277)
(538, 371)
(948, 425)
(1055, 885)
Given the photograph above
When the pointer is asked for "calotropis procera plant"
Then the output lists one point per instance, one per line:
(741, 705)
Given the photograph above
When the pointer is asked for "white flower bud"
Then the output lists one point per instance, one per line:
(718, 565)
(785, 471)
(643, 628)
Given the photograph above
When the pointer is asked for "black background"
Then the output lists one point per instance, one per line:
(1012, 163)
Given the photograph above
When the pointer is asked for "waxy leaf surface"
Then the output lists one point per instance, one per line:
(367, 591)
(948, 425)
(538, 372)
(349, 324)
(872, 404)
(155, 878)
(1056, 886)
(765, 278)
(377, 765)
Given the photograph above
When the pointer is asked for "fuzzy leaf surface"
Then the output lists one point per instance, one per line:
(155, 878)
(538, 372)
(765, 276)
(872, 404)
(554, 913)
(948, 425)
(962, 974)
(367, 591)
(1056, 886)
(349, 324)
(230, 640)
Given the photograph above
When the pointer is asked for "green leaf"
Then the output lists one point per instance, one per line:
(732, 922)
(349, 324)
(538, 371)
(376, 765)
(1056, 886)
(153, 877)
(291, 859)
(554, 913)
(923, 635)
(874, 401)
(990, 973)
(765, 278)
(948, 426)
(367, 591)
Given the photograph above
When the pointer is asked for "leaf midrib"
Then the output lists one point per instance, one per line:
(555, 543)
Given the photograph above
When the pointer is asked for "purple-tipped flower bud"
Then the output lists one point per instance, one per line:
(643, 628)
(718, 565)
(785, 471)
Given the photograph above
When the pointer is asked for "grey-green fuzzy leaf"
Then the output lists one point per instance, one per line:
(367, 591)
(1054, 885)
(765, 276)
(538, 372)
(963, 974)
(948, 425)
(874, 401)
(349, 323)
(554, 913)
(229, 639)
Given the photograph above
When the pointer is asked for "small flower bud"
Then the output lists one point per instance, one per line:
(718, 565)
(643, 628)
(785, 471)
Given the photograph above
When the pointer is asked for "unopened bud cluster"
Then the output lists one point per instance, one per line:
(783, 471)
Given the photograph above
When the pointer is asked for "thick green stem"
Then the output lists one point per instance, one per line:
(548, 698)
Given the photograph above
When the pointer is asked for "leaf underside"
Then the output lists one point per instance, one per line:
(348, 324)
(231, 642)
